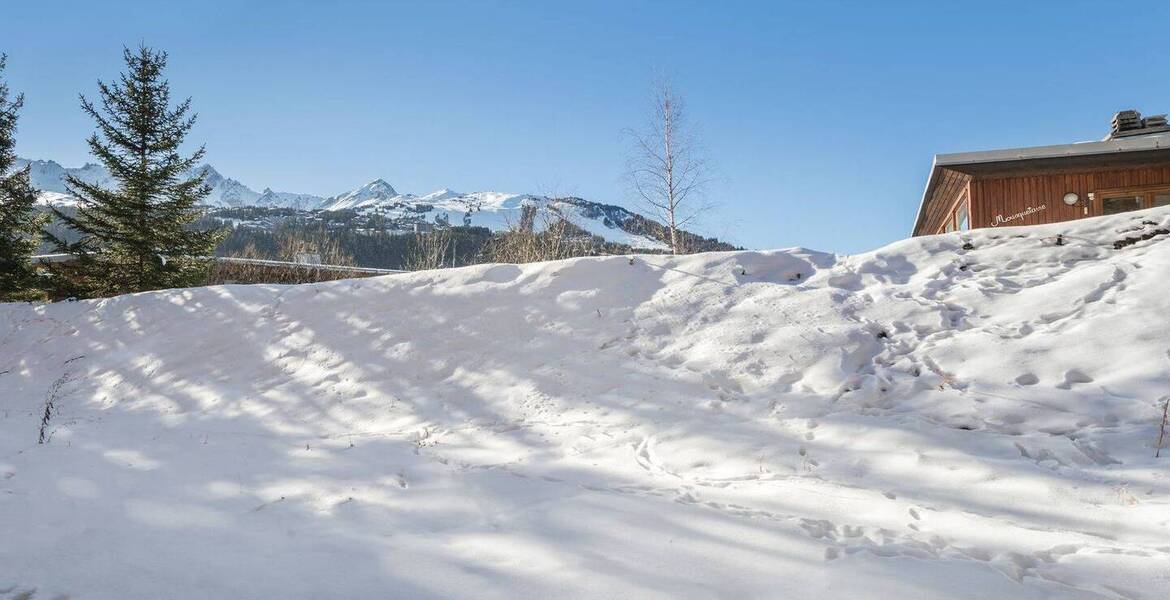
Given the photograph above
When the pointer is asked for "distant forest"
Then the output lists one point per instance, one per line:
(349, 238)
(371, 240)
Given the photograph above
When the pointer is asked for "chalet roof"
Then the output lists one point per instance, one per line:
(1154, 141)
(997, 160)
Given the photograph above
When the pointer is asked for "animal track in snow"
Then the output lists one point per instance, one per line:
(646, 458)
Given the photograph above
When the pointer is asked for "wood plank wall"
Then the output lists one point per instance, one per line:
(993, 196)
(951, 185)
(1012, 194)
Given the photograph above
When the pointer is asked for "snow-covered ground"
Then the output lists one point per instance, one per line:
(970, 415)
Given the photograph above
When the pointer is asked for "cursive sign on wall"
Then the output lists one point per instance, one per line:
(1031, 210)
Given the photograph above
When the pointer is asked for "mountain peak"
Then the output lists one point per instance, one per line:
(381, 186)
(440, 194)
(210, 175)
(369, 194)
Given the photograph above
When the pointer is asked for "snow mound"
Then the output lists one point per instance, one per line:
(969, 415)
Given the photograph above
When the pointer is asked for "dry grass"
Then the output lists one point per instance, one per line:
(556, 238)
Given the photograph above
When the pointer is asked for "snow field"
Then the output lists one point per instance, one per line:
(962, 416)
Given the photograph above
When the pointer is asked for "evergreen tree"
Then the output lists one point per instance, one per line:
(20, 222)
(138, 236)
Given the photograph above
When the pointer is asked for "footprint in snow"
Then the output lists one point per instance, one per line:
(1073, 377)
(1027, 379)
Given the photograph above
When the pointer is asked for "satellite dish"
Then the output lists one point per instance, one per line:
(1071, 198)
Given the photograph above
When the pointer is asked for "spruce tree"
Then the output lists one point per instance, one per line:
(137, 236)
(20, 222)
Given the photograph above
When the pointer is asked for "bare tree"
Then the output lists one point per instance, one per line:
(667, 169)
(327, 247)
(546, 231)
(430, 250)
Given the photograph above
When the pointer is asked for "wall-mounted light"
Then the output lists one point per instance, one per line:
(1071, 198)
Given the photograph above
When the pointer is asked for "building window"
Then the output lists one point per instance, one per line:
(1120, 204)
(1121, 200)
(958, 219)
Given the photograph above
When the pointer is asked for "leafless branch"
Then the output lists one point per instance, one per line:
(666, 170)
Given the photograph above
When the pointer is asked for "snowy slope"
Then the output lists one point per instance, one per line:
(494, 210)
(961, 416)
(55, 199)
(368, 195)
(288, 200)
(49, 176)
(230, 193)
(226, 192)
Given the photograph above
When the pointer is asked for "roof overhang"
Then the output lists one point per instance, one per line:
(1126, 151)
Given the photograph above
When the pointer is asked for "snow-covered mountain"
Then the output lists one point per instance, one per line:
(230, 193)
(289, 200)
(497, 211)
(963, 416)
(49, 176)
(494, 210)
(227, 192)
(373, 194)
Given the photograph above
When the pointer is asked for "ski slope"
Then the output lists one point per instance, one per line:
(971, 415)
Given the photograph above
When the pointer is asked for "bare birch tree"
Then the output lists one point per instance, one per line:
(667, 170)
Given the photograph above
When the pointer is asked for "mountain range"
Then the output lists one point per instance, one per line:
(494, 210)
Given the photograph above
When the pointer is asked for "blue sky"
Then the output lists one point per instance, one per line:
(821, 118)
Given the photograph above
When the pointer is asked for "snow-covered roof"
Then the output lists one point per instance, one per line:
(1137, 143)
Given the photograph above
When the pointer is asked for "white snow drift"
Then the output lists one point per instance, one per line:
(962, 416)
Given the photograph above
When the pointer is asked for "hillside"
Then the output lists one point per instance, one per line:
(960, 416)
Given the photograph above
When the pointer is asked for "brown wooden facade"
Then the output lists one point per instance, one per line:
(1032, 191)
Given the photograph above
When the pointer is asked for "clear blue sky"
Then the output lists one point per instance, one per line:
(821, 118)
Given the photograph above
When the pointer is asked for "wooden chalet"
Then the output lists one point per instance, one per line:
(1129, 170)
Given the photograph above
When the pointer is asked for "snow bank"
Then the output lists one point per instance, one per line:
(964, 416)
